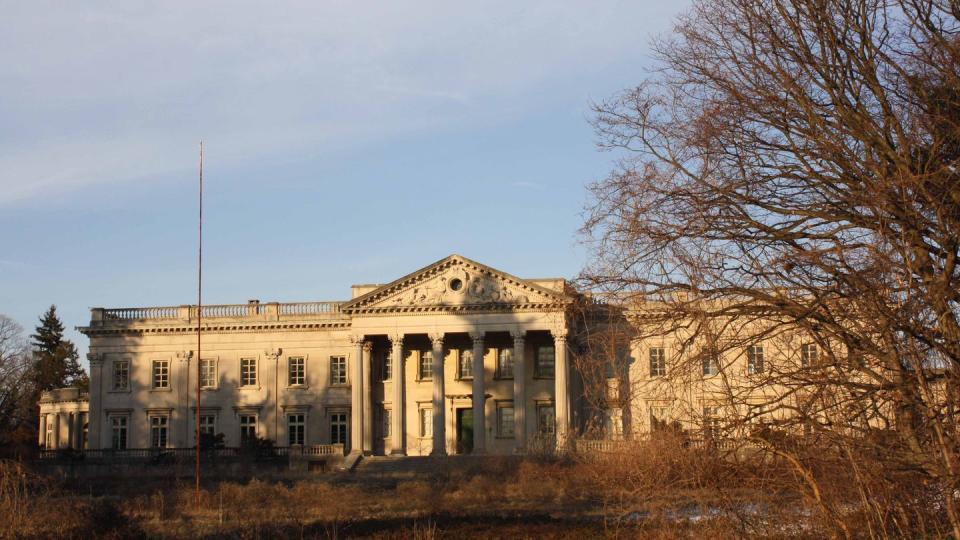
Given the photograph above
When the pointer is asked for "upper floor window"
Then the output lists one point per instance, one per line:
(658, 362)
(465, 364)
(296, 371)
(386, 366)
(121, 375)
(545, 362)
(711, 363)
(208, 373)
(425, 368)
(161, 374)
(754, 360)
(505, 363)
(809, 355)
(338, 370)
(248, 372)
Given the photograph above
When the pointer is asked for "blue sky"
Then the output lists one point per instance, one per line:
(345, 142)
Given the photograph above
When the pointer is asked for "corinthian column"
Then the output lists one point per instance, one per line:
(396, 418)
(561, 388)
(479, 396)
(519, 391)
(367, 399)
(356, 396)
(96, 399)
(439, 418)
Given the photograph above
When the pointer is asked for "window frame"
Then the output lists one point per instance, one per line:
(501, 408)
(544, 406)
(296, 429)
(425, 422)
(339, 422)
(755, 361)
(385, 421)
(301, 376)
(461, 355)
(386, 365)
(422, 356)
(505, 358)
(159, 424)
(244, 377)
(114, 387)
(216, 374)
(244, 425)
(212, 425)
(538, 366)
(806, 356)
(339, 370)
(710, 359)
(657, 363)
(124, 429)
(156, 376)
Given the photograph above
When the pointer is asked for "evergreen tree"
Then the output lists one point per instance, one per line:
(56, 361)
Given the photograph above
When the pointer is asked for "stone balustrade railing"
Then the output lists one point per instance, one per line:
(270, 311)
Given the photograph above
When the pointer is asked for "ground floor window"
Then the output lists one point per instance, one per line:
(208, 424)
(118, 433)
(546, 419)
(158, 431)
(248, 427)
(296, 428)
(426, 422)
(338, 428)
(505, 420)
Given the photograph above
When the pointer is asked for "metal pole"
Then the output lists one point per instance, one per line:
(199, 320)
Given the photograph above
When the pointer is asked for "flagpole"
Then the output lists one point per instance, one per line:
(199, 320)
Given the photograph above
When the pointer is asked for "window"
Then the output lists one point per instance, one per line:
(386, 366)
(51, 444)
(465, 364)
(121, 375)
(658, 362)
(208, 373)
(809, 355)
(711, 363)
(338, 370)
(384, 422)
(546, 419)
(505, 363)
(711, 420)
(338, 428)
(505, 420)
(545, 362)
(425, 367)
(426, 422)
(659, 417)
(208, 424)
(248, 427)
(296, 428)
(161, 374)
(297, 371)
(118, 432)
(754, 360)
(158, 431)
(248, 372)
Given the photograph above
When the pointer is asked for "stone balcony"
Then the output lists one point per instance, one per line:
(253, 311)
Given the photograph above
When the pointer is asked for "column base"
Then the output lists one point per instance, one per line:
(398, 453)
(438, 453)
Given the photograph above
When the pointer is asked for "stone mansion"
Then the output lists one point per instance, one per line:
(456, 357)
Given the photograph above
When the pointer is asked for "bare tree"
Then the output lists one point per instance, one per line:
(792, 169)
(15, 385)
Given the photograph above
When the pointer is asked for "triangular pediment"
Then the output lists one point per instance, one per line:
(456, 283)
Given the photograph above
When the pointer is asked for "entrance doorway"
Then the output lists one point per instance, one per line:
(464, 431)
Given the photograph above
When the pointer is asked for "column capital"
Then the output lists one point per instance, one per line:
(95, 359)
(357, 339)
(395, 339)
(559, 333)
(436, 339)
(367, 346)
(518, 334)
(273, 354)
(477, 337)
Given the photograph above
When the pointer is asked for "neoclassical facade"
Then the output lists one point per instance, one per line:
(456, 357)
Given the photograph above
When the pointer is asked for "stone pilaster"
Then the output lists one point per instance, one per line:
(43, 431)
(398, 412)
(356, 395)
(367, 398)
(97, 416)
(519, 391)
(439, 402)
(272, 357)
(479, 396)
(561, 394)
